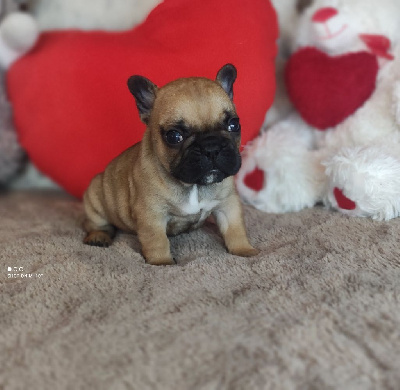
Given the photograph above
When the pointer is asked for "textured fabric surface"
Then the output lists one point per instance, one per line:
(317, 309)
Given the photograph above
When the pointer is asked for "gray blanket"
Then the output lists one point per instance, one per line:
(318, 309)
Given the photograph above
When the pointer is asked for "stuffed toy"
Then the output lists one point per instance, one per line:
(73, 110)
(82, 15)
(106, 15)
(18, 34)
(340, 145)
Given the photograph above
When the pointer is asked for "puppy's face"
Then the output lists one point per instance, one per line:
(194, 128)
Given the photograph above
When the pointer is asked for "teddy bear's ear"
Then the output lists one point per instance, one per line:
(378, 45)
(144, 92)
(226, 76)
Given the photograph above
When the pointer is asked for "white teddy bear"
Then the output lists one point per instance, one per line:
(352, 165)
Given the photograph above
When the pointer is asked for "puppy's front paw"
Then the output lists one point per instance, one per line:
(161, 261)
(245, 251)
(98, 238)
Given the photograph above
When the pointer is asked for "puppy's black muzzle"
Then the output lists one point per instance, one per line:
(209, 159)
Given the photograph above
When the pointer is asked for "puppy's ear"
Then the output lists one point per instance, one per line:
(144, 92)
(226, 76)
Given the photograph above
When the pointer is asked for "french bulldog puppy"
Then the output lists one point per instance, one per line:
(179, 174)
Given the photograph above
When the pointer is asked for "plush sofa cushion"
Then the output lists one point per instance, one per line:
(73, 110)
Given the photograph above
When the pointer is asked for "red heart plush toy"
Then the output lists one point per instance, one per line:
(73, 110)
(326, 90)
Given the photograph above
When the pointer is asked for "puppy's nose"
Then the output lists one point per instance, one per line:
(211, 145)
(324, 14)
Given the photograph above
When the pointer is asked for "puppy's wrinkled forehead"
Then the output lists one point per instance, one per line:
(198, 102)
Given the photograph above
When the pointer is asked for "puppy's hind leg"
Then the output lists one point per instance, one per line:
(98, 235)
(99, 231)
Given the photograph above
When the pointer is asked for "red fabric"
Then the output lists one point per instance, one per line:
(322, 15)
(255, 179)
(326, 90)
(342, 201)
(73, 110)
(378, 44)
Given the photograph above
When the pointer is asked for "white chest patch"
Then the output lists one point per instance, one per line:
(193, 206)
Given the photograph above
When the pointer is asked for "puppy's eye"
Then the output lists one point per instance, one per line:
(173, 137)
(234, 125)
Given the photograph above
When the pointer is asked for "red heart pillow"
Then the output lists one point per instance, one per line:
(73, 110)
(326, 90)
